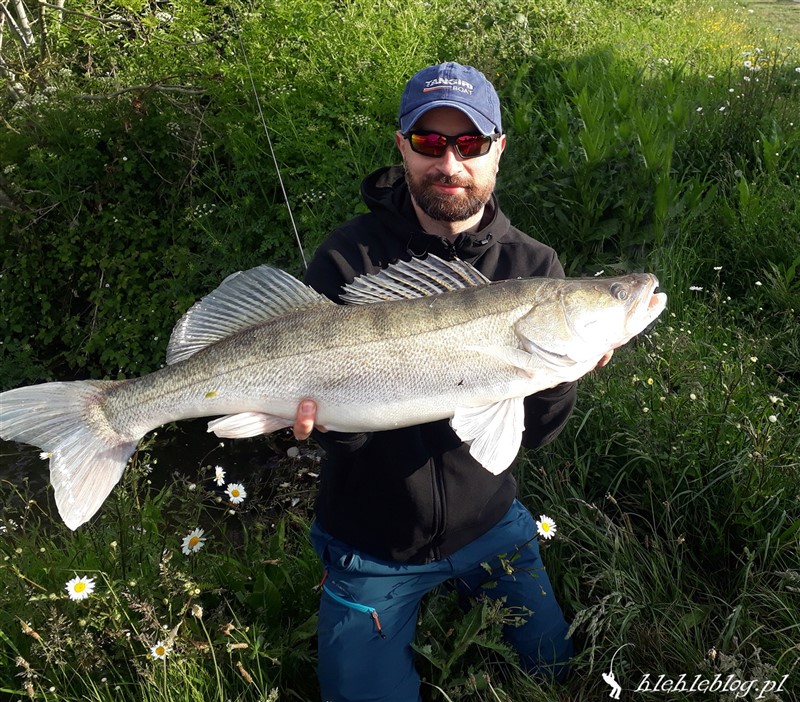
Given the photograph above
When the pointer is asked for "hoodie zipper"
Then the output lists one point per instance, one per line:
(439, 509)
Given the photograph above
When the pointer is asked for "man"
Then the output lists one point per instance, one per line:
(400, 512)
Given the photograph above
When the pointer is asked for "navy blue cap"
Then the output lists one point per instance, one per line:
(451, 85)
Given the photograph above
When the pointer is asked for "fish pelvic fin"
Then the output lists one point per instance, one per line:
(247, 424)
(65, 420)
(493, 432)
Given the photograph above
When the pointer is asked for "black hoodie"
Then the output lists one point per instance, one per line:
(416, 494)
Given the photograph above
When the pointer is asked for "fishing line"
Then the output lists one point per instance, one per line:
(269, 141)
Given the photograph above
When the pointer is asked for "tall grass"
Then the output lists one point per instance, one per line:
(642, 135)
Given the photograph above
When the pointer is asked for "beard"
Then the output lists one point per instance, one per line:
(449, 208)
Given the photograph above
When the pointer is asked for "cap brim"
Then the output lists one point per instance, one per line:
(485, 125)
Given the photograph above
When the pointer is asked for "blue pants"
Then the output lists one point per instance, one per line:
(369, 609)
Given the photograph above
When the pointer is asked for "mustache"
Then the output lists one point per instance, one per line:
(448, 180)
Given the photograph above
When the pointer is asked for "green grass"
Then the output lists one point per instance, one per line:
(780, 16)
(642, 135)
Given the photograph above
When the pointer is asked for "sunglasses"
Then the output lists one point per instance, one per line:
(435, 145)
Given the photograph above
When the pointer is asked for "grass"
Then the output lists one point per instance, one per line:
(642, 135)
(779, 16)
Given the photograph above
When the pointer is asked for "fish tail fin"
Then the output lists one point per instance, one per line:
(87, 457)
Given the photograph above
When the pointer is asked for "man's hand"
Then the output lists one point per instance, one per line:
(305, 420)
(602, 362)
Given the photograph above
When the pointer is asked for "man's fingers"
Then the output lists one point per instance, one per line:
(304, 420)
(605, 359)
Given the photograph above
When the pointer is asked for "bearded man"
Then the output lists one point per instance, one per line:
(400, 512)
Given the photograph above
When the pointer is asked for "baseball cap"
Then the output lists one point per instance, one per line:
(451, 85)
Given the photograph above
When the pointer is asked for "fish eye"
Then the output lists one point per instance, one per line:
(618, 291)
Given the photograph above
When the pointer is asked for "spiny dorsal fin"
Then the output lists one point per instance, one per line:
(412, 279)
(243, 300)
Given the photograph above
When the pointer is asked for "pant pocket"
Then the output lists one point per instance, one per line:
(357, 606)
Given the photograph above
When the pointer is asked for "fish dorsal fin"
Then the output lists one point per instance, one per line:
(243, 300)
(412, 279)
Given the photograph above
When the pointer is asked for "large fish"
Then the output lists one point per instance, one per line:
(420, 341)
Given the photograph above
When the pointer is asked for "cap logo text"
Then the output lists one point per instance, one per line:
(461, 86)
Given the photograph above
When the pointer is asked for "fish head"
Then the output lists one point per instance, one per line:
(578, 320)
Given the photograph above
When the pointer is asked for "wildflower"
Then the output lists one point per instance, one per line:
(80, 588)
(753, 359)
(692, 396)
(772, 418)
(717, 268)
(161, 650)
(219, 475)
(759, 283)
(546, 527)
(695, 288)
(197, 611)
(699, 109)
(44, 455)
(193, 541)
(650, 381)
(797, 70)
(236, 492)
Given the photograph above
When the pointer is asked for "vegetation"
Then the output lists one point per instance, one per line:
(136, 173)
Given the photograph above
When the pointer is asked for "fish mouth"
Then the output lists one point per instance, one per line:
(649, 305)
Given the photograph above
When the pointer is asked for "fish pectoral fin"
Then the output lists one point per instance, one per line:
(246, 424)
(556, 360)
(493, 432)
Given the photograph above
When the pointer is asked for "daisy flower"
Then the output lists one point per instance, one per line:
(161, 650)
(546, 527)
(80, 588)
(236, 492)
(193, 541)
(219, 475)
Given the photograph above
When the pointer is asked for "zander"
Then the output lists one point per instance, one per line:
(420, 341)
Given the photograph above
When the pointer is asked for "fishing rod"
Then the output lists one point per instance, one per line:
(269, 140)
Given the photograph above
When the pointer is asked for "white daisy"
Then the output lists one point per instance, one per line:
(161, 650)
(80, 588)
(236, 492)
(193, 541)
(219, 475)
(546, 527)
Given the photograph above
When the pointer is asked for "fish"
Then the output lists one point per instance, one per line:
(417, 342)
